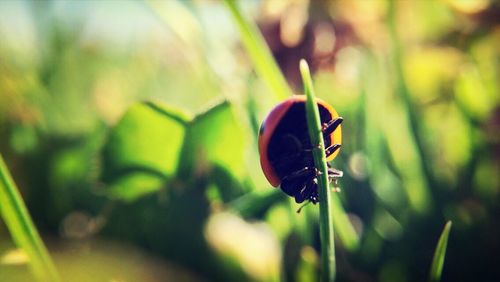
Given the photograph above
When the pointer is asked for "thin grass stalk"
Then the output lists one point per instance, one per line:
(21, 227)
(411, 111)
(259, 53)
(328, 268)
(439, 254)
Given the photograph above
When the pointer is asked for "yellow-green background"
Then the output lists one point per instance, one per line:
(172, 189)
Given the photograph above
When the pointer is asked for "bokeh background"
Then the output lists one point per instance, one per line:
(130, 128)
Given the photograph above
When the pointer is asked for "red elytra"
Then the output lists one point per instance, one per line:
(285, 149)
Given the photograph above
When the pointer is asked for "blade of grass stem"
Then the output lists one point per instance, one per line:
(328, 270)
(191, 40)
(421, 177)
(259, 53)
(439, 254)
(23, 231)
(343, 226)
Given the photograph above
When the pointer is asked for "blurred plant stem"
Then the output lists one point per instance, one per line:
(328, 270)
(23, 231)
(191, 40)
(259, 53)
(419, 176)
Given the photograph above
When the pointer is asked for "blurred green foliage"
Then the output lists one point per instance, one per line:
(137, 126)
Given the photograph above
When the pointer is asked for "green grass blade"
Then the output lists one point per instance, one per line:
(439, 254)
(259, 53)
(343, 226)
(23, 231)
(418, 177)
(191, 40)
(328, 270)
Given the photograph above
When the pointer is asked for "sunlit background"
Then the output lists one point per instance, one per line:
(131, 127)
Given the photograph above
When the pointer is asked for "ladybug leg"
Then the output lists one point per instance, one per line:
(307, 192)
(328, 151)
(329, 128)
(300, 173)
(335, 173)
(292, 187)
(332, 149)
(313, 191)
(296, 183)
(300, 197)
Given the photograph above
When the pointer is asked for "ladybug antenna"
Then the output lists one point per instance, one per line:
(303, 205)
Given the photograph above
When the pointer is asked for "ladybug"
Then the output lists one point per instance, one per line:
(286, 151)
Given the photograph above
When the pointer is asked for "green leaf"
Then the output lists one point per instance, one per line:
(143, 149)
(439, 254)
(23, 231)
(135, 184)
(153, 143)
(214, 138)
(257, 202)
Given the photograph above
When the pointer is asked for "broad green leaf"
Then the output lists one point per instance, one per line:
(214, 138)
(257, 202)
(439, 254)
(135, 184)
(144, 148)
